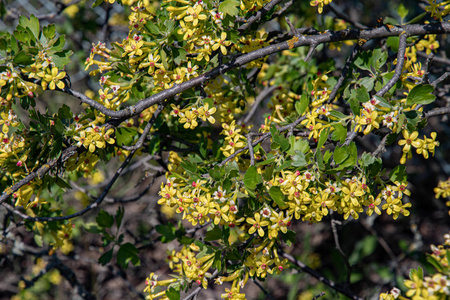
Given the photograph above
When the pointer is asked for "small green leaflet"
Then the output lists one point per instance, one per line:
(252, 178)
(229, 7)
(277, 196)
(302, 105)
(421, 94)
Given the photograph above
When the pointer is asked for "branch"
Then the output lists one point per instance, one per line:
(338, 247)
(397, 73)
(344, 73)
(194, 294)
(327, 37)
(338, 288)
(344, 17)
(261, 13)
(87, 208)
(398, 67)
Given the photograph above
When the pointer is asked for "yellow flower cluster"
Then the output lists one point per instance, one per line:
(190, 268)
(443, 190)
(188, 115)
(320, 4)
(434, 287)
(234, 140)
(94, 137)
(423, 146)
(438, 10)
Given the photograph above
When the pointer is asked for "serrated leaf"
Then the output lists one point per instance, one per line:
(152, 28)
(362, 95)
(127, 253)
(32, 23)
(213, 234)
(340, 154)
(339, 133)
(106, 257)
(277, 196)
(420, 94)
(125, 135)
(49, 31)
(23, 58)
(179, 55)
(298, 159)
(229, 7)
(167, 232)
(322, 138)
(252, 178)
(104, 219)
(398, 174)
(302, 105)
(173, 294)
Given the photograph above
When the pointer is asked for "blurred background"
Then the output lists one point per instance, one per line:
(380, 250)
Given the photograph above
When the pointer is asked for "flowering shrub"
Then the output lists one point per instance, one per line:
(182, 88)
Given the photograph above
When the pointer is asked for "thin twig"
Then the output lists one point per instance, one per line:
(338, 246)
(261, 96)
(255, 281)
(320, 277)
(346, 18)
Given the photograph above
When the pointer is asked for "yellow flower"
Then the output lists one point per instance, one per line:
(222, 43)
(189, 119)
(195, 15)
(410, 139)
(52, 79)
(257, 224)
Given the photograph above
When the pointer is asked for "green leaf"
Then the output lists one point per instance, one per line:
(367, 159)
(173, 294)
(23, 58)
(119, 216)
(124, 68)
(302, 105)
(62, 58)
(59, 43)
(337, 114)
(152, 28)
(179, 55)
(398, 174)
(279, 139)
(229, 7)
(298, 159)
(127, 253)
(125, 135)
(106, 257)
(32, 24)
(402, 12)
(64, 112)
(420, 94)
(362, 95)
(213, 234)
(215, 173)
(49, 31)
(189, 166)
(277, 196)
(252, 178)
(163, 55)
(168, 232)
(322, 138)
(339, 133)
(289, 237)
(104, 219)
(97, 3)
